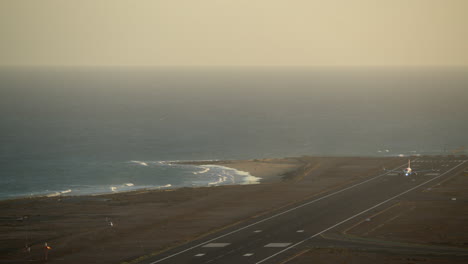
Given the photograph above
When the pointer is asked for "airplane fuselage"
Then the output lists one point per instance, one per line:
(408, 171)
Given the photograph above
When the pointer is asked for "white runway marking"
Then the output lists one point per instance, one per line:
(257, 231)
(211, 245)
(300, 231)
(200, 255)
(276, 245)
(248, 254)
(278, 214)
(358, 214)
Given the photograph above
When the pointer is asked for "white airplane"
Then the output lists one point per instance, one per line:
(409, 171)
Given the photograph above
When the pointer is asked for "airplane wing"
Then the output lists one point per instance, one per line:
(387, 170)
(419, 171)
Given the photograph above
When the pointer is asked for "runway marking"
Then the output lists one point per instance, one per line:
(276, 245)
(278, 214)
(213, 245)
(370, 217)
(257, 231)
(300, 231)
(358, 214)
(388, 221)
(200, 255)
(248, 254)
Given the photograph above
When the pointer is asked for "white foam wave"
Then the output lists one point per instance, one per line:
(58, 193)
(220, 180)
(249, 179)
(161, 187)
(131, 187)
(203, 171)
(165, 163)
(139, 162)
(229, 173)
(115, 188)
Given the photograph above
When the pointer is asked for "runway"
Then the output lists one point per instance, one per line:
(282, 235)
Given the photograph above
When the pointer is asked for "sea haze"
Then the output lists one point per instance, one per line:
(87, 130)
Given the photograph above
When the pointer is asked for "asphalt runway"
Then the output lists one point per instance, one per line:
(280, 236)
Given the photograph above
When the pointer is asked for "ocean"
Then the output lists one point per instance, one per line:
(75, 131)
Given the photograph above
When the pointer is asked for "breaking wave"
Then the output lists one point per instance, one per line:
(58, 193)
(201, 172)
(228, 175)
(139, 162)
(219, 181)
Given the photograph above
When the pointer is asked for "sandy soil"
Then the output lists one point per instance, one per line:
(130, 226)
(270, 170)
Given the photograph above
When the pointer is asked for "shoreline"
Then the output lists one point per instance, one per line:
(243, 168)
(267, 171)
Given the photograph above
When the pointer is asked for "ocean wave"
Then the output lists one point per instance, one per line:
(220, 180)
(139, 162)
(230, 173)
(123, 186)
(203, 171)
(248, 178)
(181, 162)
(165, 163)
(58, 193)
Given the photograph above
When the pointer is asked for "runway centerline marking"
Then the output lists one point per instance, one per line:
(200, 255)
(214, 245)
(276, 245)
(358, 214)
(278, 214)
(248, 254)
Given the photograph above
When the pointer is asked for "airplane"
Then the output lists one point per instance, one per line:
(409, 171)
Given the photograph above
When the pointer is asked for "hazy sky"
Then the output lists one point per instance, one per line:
(234, 32)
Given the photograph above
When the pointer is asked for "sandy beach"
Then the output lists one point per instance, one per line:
(129, 227)
(269, 170)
